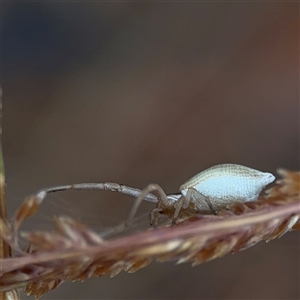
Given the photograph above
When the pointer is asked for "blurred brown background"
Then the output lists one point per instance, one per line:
(152, 92)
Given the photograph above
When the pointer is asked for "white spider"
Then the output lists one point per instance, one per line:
(209, 191)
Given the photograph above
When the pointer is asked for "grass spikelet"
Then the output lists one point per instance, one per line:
(74, 252)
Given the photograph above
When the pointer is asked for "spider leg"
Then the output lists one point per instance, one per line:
(188, 198)
(35, 200)
(151, 188)
(211, 206)
(182, 203)
(178, 206)
(201, 199)
(154, 216)
(106, 186)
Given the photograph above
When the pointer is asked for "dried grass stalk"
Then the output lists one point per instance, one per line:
(5, 250)
(74, 252)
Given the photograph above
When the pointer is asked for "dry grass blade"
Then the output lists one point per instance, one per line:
(29, 208)
(5, 250)
(74, 252)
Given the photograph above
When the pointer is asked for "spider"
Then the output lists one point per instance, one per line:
(207, 192)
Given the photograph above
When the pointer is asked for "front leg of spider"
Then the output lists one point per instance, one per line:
(161, 199)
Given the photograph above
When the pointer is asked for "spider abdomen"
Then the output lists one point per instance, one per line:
(229, 183)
